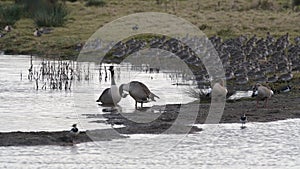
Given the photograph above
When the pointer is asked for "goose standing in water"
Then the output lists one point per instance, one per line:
(262, 93)
(112, 95)
(139, 92)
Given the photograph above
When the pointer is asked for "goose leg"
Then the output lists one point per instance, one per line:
(266, 103)
(256, 103)
(141, 104)
(136, 104)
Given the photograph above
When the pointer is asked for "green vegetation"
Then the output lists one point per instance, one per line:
(296, 2)
(226, 19)
(10, 14)
(54, 15)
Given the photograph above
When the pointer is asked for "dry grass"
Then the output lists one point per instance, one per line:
(227, 19)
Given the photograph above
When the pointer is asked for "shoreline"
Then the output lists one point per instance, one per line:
(281, 107)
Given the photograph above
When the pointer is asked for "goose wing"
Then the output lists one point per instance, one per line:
(105, 96)
(139, 91)
(263, 92)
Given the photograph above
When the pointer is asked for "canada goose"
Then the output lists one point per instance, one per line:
(8, 28)
(139, 92)
(112, 95)
(37, 32)
(262, 93)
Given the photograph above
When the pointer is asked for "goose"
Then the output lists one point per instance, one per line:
(243, 120)
(139, 92)
(8, 28)
(112, 95)
(262, 93)
(37, 32)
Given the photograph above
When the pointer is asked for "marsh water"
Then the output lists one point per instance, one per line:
(23, 108)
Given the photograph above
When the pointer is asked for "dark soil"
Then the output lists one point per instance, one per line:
(61, 138)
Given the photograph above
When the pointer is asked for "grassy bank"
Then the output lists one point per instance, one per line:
(228, 18)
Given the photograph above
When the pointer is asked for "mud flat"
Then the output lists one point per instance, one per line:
(61, 138)
(162, 120)
(280, 107)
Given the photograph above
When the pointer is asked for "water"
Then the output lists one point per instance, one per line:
(260, 145)
(23, 108)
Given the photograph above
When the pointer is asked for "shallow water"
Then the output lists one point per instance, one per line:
(260, 145)
(23, 108)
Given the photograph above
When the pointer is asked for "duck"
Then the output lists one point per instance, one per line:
(139, 92)
(262, 93)
(112, 95)
(37, 32)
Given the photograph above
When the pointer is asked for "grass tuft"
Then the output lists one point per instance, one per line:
(10, 14)
(54, 15)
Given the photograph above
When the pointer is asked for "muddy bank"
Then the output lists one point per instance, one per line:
(162, 120)
(159, 119)
(61, 138)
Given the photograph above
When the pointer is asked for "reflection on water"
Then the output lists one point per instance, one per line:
(260, 145)
(23, 108)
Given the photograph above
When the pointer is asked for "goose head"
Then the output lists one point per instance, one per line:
(124, 89)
